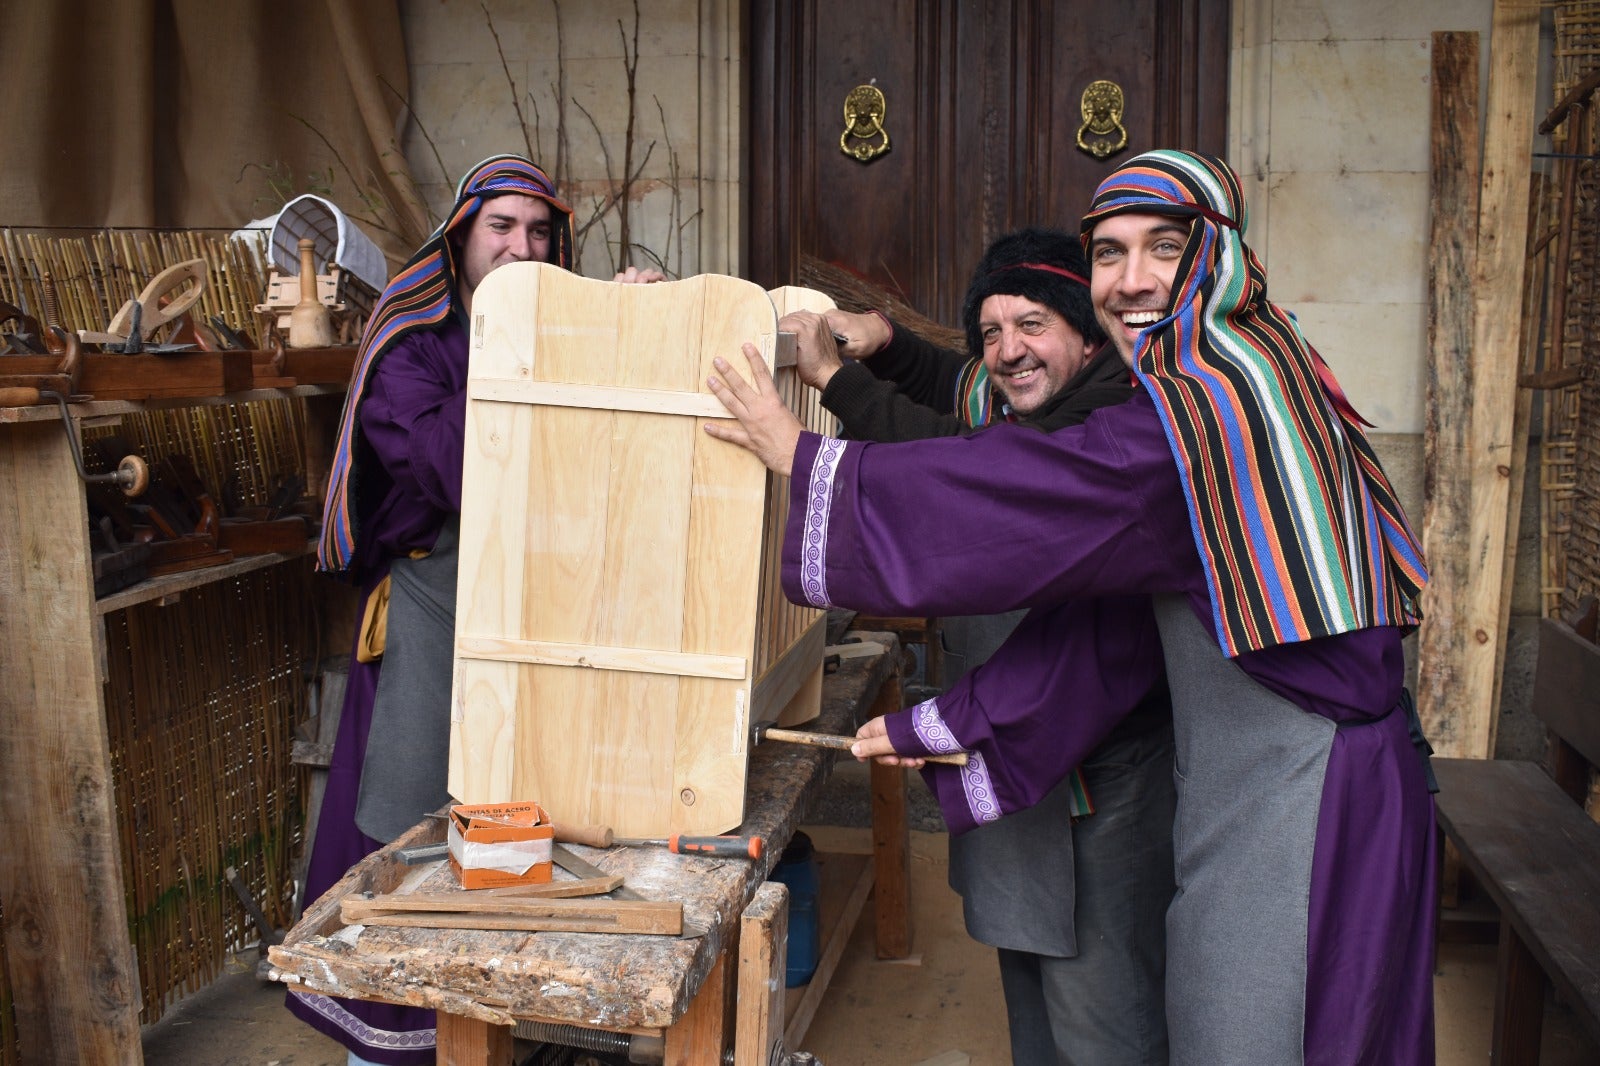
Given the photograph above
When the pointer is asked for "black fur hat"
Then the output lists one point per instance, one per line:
(1004, 269)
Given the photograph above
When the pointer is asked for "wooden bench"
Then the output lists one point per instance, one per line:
(1526, 839)
(691, 999)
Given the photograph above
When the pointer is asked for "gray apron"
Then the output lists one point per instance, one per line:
(408, 744)
(1250, 768)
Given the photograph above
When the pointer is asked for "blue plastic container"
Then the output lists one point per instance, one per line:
(797, 868)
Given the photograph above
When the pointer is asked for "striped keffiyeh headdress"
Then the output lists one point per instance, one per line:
(1298, 527)
(421, 297)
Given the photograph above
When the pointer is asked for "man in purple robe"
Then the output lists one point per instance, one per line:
(1240, 493)
(1069, 886)
(391, 525)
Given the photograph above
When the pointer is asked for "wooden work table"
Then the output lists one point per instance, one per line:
(678, 990)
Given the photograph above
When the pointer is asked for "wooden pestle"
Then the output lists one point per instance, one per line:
(310, 323)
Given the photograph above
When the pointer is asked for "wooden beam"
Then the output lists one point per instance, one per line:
(1452, 246)
(1497, 332)
(70, 965)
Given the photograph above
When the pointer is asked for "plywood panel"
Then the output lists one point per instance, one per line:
(612, 554)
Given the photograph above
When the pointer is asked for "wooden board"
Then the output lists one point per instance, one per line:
(73, 981)
(1452, 245)
(1469, 730)
(611, 555)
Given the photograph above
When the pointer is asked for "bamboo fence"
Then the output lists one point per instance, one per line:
(1570, 443)
(94, 275)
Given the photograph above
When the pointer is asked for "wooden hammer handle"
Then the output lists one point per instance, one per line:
(838, 743)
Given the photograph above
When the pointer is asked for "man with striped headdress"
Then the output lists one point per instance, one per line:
(1238, 490)
(391, 525)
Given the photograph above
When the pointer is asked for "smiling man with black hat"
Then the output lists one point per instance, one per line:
(1071, 885)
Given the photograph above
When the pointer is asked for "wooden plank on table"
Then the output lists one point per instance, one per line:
(763, 934)
(1469, 728)
(644, 917)
(475, 899)
(70, 966)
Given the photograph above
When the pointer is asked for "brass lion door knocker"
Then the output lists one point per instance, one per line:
(864, 109)
(1102, 132)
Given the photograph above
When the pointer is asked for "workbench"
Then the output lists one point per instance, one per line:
(690, 998)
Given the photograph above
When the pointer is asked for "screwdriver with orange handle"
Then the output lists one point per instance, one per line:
(721, 847)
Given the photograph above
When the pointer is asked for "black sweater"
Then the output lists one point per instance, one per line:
(907, 392)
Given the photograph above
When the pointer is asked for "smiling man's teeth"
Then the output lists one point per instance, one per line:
(1141, 318)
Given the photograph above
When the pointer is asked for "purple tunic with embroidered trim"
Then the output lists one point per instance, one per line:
(414, 418)
(1101, 657)
(1010, 519)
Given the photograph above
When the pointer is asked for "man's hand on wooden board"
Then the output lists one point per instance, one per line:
(765, 425)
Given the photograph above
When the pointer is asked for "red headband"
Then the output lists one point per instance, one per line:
(1063, 271)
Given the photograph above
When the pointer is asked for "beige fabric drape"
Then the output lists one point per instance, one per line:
(175, 112)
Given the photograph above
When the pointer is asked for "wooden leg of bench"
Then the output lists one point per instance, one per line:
(697, 1038)
(891, 844)
(1518, 1002)
(763, 946)
(470, 1042)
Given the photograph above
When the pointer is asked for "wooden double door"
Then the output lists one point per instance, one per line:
(983, 108)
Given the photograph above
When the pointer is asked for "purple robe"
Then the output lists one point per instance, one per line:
(1100, 657)
(413, 417)
(1008, 519)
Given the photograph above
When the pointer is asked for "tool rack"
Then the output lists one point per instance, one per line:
(697, 999)
(71, 965)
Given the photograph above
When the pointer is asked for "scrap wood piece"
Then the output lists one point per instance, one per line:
(455, 911)
(409, 901)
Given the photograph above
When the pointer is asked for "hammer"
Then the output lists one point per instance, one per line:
(838, 743)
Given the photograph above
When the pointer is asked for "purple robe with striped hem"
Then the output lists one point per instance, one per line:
(1010, 518)
(414, 421)
(1094, 659)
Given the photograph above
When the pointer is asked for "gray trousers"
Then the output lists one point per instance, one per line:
(1105, 1005)
(1076, 912)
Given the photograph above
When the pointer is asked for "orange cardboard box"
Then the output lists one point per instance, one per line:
(495, 845)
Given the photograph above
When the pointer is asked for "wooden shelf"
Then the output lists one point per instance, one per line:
(49, 412)
(171, 585)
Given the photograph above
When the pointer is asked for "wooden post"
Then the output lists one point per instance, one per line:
(763, 957)
(697, 1038)
(71, 967)
(1518, 1002)
(1452, 245)
(471, 1042)
(891, 843)
(1497, 330)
